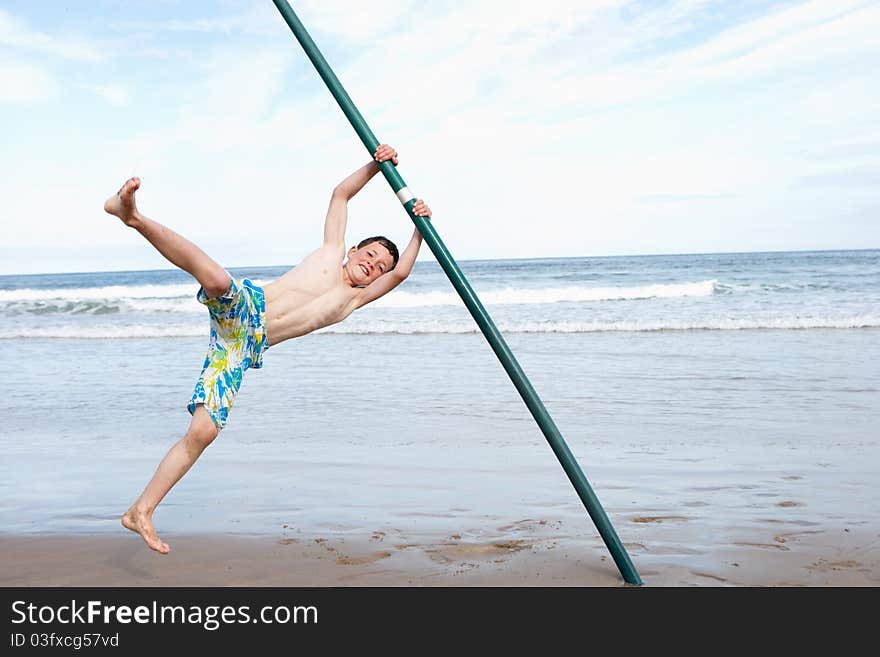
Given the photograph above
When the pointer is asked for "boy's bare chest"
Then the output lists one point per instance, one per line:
(316, 275)
(308, 297)
(318, 271)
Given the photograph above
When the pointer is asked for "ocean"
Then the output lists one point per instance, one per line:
(720, 389)
(801, 290)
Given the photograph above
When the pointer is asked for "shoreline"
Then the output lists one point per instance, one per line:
(529, 554)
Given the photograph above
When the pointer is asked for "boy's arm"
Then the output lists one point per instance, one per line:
(337, 213)
(387, 282)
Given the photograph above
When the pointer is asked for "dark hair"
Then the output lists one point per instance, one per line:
(384, 241)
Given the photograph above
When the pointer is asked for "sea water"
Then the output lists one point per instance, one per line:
(667, 375)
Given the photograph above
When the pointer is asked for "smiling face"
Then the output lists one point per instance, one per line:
(366, 264)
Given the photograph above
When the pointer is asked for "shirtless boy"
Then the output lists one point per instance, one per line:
(325, 288)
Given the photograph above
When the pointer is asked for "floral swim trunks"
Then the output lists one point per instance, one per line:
(238, 340)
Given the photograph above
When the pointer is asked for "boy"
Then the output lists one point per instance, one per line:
(246, 320)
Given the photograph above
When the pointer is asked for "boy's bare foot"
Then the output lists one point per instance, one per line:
(122, 205)
(140, 523)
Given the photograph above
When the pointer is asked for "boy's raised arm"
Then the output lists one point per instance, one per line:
(337, 213)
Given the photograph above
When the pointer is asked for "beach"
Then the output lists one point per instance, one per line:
(723, 456)
(544, 556)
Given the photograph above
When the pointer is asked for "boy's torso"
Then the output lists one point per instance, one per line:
(310, 296)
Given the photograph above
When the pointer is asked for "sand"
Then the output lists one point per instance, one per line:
(530, 552)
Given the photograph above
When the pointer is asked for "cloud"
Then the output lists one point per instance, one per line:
(860, 176)
(26, 83)
(15, 33)
(848, 150)
(361, 21)
(685, 198)
(255, 19)
(620, 63)
(803, 43)
(113, 94)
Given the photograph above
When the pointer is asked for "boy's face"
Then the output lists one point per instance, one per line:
(368, 263)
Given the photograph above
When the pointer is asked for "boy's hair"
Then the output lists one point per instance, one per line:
(384, 241)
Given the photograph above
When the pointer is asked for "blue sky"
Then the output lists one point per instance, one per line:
(559, 128)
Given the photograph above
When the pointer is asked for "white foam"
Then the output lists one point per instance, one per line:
(101, 293)
(186, 305)
(399, 299)
(427, 327)
(740, 324)
(512, 296)
(106, 293)
(180, 298)
(115, 331)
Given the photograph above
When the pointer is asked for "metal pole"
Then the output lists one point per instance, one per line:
(456, 277)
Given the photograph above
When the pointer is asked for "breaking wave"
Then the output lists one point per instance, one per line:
(181, 298)
(429, 327)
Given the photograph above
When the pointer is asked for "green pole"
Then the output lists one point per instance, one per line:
(456, 277)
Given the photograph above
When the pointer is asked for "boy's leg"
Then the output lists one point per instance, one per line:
(177, 249)
(178, 460)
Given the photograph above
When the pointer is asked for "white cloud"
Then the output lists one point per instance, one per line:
(22, 83)
(14, 32)
(362, 21)
(113, 94)
(255, 19)
(741, 39)
(803, 39)
(799, 39)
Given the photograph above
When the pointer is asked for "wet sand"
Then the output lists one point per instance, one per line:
(725, 515)
(530, 552)
(722, 459)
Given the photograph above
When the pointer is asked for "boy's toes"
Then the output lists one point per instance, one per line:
(130, 185)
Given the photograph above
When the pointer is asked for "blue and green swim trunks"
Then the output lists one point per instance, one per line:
(238, 340)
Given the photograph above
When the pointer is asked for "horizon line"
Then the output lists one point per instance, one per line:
(584, 257)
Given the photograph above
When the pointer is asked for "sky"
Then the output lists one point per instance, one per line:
(541, 129)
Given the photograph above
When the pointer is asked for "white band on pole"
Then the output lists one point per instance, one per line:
(405, 195)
